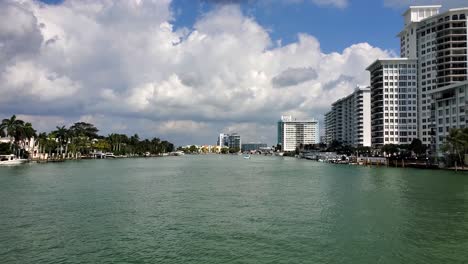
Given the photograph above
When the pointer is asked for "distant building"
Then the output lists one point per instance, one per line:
(229, 141)
(293, 133)
(349, 121)
(253, 146)
(330, 127)
(234, 141)
(223, 140)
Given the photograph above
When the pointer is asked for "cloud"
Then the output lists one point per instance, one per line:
(294, 76)
(406, 3)
(336, 3)
(122, 65)
(333, 3)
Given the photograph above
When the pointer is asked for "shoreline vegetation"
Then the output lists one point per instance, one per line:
(79, 141)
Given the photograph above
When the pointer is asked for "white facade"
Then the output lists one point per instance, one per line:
(294, 133)
(450, 110)
(412, 16)
(330, 127)
(349, 121)
(439, 42)
(393, 101)
(223, 140)
(229, 140)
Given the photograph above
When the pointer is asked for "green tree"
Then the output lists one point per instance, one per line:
(5, 149)
(390, 149)
(224, 150)
(234, 150)
(102, 145)
(455, 143)
(84, 130)
(14, 128)
(193, 149)
(417, 147)
(62, 134)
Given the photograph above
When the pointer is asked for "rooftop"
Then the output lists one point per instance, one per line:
(422, 7)
(379, 61)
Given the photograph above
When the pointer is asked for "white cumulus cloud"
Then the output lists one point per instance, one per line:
(123, 65)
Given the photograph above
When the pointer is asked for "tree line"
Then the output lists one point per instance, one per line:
(80, 138)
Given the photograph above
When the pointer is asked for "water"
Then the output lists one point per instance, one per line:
(225, 209)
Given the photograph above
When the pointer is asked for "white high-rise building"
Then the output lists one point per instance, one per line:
(330, 127)
(293, 133)
(349, 121)
(449, 110)
(234, 141)
(439, 43)
(393, 101)
(229, 140)
(223, 140)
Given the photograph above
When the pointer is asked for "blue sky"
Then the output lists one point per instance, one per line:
(336, 28)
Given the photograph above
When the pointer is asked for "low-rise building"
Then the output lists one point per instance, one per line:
(253, 146)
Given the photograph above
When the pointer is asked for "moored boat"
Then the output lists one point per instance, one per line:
(110, 155)
(11, 160)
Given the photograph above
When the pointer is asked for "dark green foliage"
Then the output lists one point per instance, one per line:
(81, 138)
(5, 149)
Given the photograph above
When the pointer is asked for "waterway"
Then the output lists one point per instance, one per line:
(226, 209)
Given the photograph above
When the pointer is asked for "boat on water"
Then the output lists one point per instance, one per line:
(247, 157)
(11, 160)
(110, 155)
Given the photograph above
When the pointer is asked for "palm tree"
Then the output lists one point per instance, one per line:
(13, 128)
(62, 136)
(42, 142)
(29, 131)
(455, 144)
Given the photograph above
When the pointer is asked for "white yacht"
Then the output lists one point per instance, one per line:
(11, 160)
(110, 155)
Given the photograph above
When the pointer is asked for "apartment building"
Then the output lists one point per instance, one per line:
(293, 133)
(449, 109)
(439, 43)
(393, 101)
(349, 121)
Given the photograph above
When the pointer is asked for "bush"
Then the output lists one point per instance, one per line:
(5, 149)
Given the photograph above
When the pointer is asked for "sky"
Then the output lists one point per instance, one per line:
(187, 70)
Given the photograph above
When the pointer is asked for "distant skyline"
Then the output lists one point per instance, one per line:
(186, 70)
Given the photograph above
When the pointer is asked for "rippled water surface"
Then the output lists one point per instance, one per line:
(224, 209)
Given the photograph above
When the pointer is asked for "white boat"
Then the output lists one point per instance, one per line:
(247, 157)
(110, 155)
(11, 160)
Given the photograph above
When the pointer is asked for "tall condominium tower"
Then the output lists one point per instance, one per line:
(349, 120)
(293, 133)
(439, 43)
(393, 101)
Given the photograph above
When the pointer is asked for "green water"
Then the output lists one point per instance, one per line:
(224, 209)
